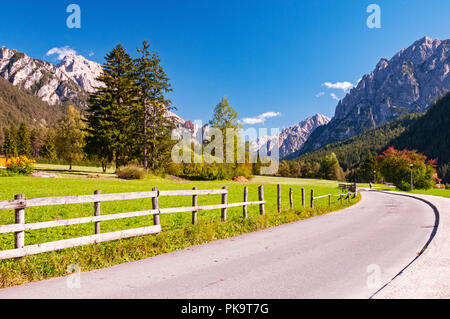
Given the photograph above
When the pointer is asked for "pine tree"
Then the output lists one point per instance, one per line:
(24, 141)
(368, 168)
(70, 136)
(330, 168)
(111, 112)
(152, 112)
(48, 149)
(10, 146)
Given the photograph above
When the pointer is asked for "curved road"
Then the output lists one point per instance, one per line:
(329, 256)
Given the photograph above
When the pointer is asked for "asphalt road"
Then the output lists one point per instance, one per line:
(329, 256)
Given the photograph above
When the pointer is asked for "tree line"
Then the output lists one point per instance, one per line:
(128, 121)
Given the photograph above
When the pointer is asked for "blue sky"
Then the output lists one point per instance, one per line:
(265, 56)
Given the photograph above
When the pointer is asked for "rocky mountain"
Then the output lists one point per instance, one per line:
(292, 139)
(48, 82)
(407, 83)
(18, 106)
(82, 71)
(70, 81)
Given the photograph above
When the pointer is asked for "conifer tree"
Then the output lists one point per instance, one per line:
(23, 141)
(111, 112)
(48, 149)
(155, 123)
(10, 146)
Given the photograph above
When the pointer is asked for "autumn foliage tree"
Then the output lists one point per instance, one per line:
(395, 166)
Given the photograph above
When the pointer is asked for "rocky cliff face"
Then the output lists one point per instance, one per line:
(48, 82)
(292, 139)
(408, 83)
(82, 71)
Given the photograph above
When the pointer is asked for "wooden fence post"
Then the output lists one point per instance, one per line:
(245, 200)
(303, 198)
(194, 203)
(155, 202)
(291, 198)
(97, 212)
(312, 198)
(279, 198)
(224, 202)
(261, 198)
(329, 201)
(340, 197)
(19, 237)
(348, 196)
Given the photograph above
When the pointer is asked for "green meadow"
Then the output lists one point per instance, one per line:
(177, 230)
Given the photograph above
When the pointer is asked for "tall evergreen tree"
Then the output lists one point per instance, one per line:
(368, 168)
(24, 140)
(48, 149)
(112, 109)
(10, 146)
(152, 112)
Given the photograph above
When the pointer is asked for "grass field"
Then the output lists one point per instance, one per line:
(177, 231)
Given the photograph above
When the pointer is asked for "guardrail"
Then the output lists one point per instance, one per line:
(20, 203)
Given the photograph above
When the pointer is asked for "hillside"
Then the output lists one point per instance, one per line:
(408, 83)
(352, 151)
(431, 133)
(17, 106)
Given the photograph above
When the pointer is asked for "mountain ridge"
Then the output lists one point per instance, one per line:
(409, 82)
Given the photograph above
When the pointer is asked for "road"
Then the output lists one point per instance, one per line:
(329, 256)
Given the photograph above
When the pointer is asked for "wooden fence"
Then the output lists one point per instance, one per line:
(312, 198)
(351, 187)
(20, 203)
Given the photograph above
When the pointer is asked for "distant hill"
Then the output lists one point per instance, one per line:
(17, 106)
(431, 133)
(352, 151)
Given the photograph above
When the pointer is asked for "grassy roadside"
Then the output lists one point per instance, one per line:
(433, 191)
(177, 232)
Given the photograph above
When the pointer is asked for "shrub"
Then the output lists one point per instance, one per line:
(131, 172)
(20, 165)
(395, 167)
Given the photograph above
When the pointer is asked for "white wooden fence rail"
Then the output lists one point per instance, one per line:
(20, 203)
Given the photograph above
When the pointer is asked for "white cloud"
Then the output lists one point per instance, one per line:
(260, 118)
(334, 97)
(344, 86)
(91, 53)
(61, 52)
(320, 94)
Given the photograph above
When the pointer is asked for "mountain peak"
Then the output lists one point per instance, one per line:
(291, 139)
(82, 71)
